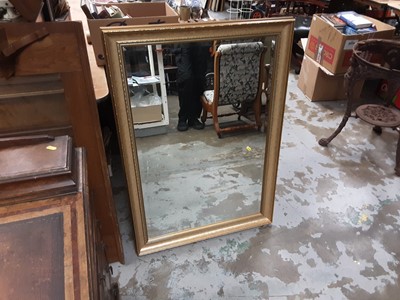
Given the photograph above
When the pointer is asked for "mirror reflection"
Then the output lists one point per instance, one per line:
(194, 172)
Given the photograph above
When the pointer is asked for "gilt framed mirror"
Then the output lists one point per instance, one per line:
(190, 186)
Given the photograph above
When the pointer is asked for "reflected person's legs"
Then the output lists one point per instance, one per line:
(183, 62)
(190, 79)
(201, 59)
(185, 99)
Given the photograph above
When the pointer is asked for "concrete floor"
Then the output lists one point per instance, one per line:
(335, 232)
(217, 179)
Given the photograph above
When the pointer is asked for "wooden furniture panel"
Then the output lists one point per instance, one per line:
(18, 238)
(51, 165)
(48, 241)
(62, 53)
(32, 103)
(42, 251)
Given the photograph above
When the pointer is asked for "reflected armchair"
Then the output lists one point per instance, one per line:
(239, 73)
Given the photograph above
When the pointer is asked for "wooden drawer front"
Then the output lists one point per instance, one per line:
(33, 113)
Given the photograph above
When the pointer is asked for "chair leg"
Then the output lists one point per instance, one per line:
(257, 113)
(216, 125)
(349, 84)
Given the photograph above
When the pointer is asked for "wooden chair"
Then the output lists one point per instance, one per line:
(239, 72)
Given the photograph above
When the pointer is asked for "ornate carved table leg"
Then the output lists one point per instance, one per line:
(373, 59)
(350, 78)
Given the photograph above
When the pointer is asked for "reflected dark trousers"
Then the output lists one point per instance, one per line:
(192, 62)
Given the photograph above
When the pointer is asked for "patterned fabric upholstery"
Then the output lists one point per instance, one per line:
(239, 73)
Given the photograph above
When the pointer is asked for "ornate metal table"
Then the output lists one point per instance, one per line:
(373, 59)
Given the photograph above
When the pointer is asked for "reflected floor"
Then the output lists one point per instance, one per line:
(221, 178)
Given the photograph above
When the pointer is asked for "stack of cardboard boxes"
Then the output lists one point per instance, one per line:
(327, 58)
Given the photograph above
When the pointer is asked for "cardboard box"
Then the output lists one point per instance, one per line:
(142, 13)
(147, 114)
(320, 85)
(332, 49)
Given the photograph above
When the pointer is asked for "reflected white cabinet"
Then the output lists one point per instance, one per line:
(147, 89)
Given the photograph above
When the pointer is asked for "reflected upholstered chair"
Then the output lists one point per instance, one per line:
(239, 72)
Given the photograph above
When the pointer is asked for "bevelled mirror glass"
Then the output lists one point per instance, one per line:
(190, 185)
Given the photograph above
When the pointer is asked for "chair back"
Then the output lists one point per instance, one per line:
(238, 72)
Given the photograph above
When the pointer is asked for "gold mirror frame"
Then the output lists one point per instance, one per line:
(281, 29)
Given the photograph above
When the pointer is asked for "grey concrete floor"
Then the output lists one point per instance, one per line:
(334, 235)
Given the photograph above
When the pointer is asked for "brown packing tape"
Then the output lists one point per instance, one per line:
(319, 53)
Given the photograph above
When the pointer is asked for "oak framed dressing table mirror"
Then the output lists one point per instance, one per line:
(190, 186)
